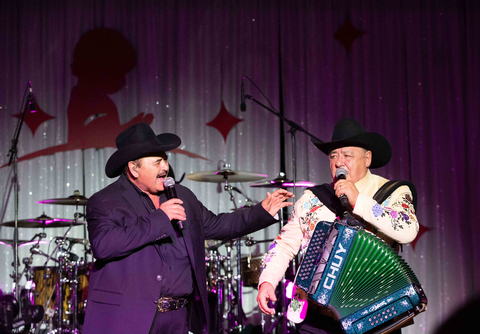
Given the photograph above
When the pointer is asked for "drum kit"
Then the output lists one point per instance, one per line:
(225, 286)
(60, 287)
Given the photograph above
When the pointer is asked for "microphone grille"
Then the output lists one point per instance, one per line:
(169, 182)
(341, 172)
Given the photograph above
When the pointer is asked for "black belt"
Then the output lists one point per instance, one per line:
(166, 304)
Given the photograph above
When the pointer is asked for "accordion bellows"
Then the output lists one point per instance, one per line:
(360, 278)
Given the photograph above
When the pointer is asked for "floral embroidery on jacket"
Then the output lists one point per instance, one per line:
(401, 212)
(271, 253)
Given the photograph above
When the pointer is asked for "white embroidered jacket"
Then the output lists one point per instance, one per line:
(394, 218)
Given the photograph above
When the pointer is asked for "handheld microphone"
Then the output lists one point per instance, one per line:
(33, 107)
(341, 174)
(243, 106)
(170, 191)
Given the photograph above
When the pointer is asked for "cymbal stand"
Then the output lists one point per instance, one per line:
(61, 279)
(238, 323)
(219, 285)
(215, 260)
(28, 297)
(60, 294)
(230, 313)
(27, 294)
(281, 322)
(229, 189)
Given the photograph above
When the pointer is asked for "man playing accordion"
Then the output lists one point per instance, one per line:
(353, 151)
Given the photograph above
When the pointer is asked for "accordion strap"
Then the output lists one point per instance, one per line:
(388, 188)
(326, 194)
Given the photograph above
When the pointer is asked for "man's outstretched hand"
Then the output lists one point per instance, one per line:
(276, 200)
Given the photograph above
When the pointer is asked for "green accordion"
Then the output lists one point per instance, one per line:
(361, 279)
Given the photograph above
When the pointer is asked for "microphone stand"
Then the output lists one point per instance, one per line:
(13, 153)
(294, 127)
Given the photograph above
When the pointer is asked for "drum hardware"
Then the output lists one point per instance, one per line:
(10, 309)
(226, 175)
(77, 200)
(215, 286)
(250, 242)
(63, 313)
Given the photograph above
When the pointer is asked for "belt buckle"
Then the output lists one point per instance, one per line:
(177, 303)
(160, 304)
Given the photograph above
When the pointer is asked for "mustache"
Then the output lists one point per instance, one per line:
(161, 175)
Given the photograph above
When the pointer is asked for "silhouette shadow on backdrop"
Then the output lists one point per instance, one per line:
(101, 60)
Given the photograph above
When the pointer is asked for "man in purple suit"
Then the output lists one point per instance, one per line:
(149, 275)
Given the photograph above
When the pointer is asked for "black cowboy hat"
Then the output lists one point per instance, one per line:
(138, 141)
(348, 132)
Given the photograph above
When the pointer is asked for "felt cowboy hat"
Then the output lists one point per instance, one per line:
(138, 141)
(348, 132)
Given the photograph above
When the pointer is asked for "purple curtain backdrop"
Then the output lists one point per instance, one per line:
(407, 69)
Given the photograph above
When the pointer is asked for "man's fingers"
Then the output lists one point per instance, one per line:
(174, 201)
(263, 304)
(266, 293)
(173, 209)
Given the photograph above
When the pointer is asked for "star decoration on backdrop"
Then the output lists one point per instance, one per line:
(347, 34)
(224, 122)
(421, 231)
(34, 119)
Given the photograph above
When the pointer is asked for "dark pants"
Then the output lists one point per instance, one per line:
(170, 322)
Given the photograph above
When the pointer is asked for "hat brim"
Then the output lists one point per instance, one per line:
(162, 143)
(372, 141)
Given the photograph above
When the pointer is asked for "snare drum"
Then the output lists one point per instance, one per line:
(251, 270)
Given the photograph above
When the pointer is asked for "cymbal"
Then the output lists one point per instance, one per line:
(226, 174)
(10, 241)
(281, 183)
(43, 222)
(75, 199)
(22, 242)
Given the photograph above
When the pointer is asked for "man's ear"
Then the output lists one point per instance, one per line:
(368, 158)
(132, 168)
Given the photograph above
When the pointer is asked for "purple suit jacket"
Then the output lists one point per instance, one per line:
(123, 287)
